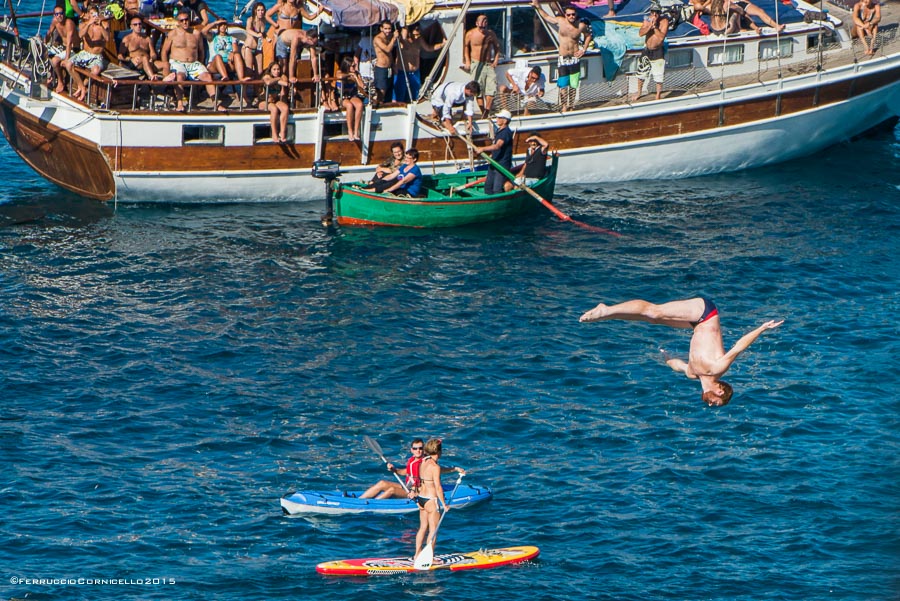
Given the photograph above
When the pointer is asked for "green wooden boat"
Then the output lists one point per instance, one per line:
(450, 200)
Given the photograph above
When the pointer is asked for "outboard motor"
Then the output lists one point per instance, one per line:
(329, 171)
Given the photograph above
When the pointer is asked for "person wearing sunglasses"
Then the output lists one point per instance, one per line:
(60, 39)
(385, 489)
(575, 38)
(137, 52)
(182, 51)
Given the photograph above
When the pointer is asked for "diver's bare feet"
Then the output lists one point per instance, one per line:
(596, 314)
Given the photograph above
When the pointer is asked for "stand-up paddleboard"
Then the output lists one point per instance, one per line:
(483, 559)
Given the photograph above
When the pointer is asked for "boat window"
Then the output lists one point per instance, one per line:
(262, 134)
(213, 135)
(769, 49)
(727, 55)
(680, 59)
(529, 33)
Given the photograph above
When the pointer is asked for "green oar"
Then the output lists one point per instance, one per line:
(376, 448)
(538, 197)
(426, 555)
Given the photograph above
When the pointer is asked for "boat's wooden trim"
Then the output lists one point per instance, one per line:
(435, 148)
(63, 158)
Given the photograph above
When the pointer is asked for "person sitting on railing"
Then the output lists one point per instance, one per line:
(866, 17)
(182, 52)
(94, 33)
(61, 39)
(276, 91)
(224, 55)
(137, 52)
(350, 85)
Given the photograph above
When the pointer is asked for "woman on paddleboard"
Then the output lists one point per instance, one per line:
(431, 494)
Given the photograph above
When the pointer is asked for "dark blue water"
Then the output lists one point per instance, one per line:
(170, 371)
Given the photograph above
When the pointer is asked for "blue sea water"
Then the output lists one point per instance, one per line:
(170, 371)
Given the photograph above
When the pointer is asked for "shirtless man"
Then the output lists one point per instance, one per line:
(408, 80)
(481, 52)
(296, 40)
(182, 52)
(94, 33)
(654, 29)
(137, 52)
(708, 360)
(866, 17)
(384, 44)
(61, 38)
(571, 31)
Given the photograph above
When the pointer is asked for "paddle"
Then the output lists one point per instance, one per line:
(426, 555)
(538, 197)
(376, 448)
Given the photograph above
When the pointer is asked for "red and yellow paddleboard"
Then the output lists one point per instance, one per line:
(483, 559)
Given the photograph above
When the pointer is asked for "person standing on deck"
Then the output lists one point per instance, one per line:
(654, 29)
(482, 44)
(707, 360)
(384, 44)
(501, 154)
(407, 78)
(571, 49)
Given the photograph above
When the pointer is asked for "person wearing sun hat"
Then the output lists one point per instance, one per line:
(501, 153)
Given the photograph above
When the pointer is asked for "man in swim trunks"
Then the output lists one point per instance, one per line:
(181, 53)
(94, 34)
(575, 38)
(481, 52)
(654, 29)
(707, 360)
(136, 50)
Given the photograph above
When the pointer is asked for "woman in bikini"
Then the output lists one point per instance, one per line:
(252, 50)
(275, 91)
(431, 494)
(348, 86)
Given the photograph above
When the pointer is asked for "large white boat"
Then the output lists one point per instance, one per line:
(728, 103)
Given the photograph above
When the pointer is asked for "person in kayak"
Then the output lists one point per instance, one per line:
(707, 360)
(386, 489)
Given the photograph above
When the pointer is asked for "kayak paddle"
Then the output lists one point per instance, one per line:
(376, 448)
(426, 555)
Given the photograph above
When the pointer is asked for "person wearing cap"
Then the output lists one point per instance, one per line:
(654, 29)
(501, 154)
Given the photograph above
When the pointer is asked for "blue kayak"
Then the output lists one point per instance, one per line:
(337, 502)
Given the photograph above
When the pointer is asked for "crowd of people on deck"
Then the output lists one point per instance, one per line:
(385, 67)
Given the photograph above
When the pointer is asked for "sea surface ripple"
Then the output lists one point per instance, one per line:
(170, 371)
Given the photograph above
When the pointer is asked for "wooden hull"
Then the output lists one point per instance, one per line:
(440, 208)
(453, 562)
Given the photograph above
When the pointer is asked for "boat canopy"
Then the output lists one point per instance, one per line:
(361, 13)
